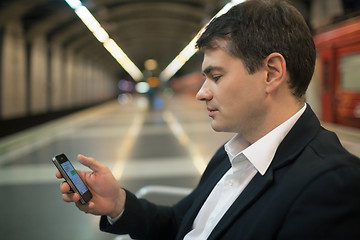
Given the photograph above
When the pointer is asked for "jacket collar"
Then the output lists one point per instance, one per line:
(304, 130)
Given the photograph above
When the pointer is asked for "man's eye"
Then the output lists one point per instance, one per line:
(216, 78)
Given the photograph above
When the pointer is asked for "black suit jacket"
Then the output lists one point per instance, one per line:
(310, 191)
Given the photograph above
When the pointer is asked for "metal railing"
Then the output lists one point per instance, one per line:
(166, 191)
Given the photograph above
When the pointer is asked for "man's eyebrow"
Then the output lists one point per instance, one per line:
(210, 68)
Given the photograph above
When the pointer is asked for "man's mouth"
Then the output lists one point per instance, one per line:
(212, 111)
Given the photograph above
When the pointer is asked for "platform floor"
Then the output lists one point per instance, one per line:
(141, 146)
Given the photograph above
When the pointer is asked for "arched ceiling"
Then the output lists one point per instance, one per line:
(157, 29)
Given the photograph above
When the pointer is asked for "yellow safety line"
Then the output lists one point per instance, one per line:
(127, 145)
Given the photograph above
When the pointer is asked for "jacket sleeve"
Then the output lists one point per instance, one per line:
(142, 220)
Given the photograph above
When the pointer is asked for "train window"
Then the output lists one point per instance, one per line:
(350, 72)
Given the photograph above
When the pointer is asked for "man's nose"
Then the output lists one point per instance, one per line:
(204, 92)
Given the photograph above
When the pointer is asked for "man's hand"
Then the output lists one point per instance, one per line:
(108, 198)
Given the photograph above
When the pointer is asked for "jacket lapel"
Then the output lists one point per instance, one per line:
(251, 193)
(202, 194)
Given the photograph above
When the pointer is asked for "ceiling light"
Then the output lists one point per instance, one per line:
(150, 64)
(190, 49)
(74, 3)
(123, 59)
(102, 36)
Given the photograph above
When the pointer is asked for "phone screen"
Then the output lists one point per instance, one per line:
(75, 178)
(72, 177)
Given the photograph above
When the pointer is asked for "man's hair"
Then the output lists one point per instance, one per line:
(256, 28)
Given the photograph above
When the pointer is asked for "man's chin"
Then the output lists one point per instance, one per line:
(216, 128)
(219, 128)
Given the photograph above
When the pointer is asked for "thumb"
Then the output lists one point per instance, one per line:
(89, 162)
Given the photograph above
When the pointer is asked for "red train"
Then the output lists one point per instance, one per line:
(339, 53)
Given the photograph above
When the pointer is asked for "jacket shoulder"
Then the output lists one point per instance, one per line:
(326, 145)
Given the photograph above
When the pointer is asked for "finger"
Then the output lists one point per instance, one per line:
(90, 163)
(64, 187)
(58, 175)
(91, 204)
(72, 197)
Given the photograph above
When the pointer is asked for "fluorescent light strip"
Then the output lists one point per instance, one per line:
(190, 49)
(74, 3)
(180, 59)
(102, 36)
(92, 24)
(123, 59)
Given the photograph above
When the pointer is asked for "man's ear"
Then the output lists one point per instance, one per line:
(275, 66)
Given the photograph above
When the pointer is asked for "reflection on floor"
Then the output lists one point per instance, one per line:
(142, 147)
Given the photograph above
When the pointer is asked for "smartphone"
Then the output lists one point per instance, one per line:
(72, 177)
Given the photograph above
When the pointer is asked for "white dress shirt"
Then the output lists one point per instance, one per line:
(246, 161)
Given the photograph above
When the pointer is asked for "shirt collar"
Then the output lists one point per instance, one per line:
(261, 153)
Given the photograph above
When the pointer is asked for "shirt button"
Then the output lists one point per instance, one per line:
(230, 183)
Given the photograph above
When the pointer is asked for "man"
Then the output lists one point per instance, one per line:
(281, 177)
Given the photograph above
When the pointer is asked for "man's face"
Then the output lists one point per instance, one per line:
(235, 99)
